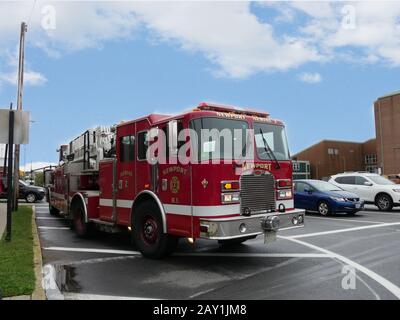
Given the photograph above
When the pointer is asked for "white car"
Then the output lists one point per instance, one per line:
(370, 187)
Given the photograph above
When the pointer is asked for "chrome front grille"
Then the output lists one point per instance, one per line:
(257, 194)
(352, 199)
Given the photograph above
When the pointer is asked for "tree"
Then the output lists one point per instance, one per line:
(39, 179)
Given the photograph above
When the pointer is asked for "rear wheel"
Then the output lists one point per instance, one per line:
(53, 211)
(148, 234)
(384, 202)
(81, 227)
(323, 208)
(233, 242)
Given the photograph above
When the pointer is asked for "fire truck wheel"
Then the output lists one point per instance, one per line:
(232, 242)
(81, 228)
(148, 235)
(53, 211)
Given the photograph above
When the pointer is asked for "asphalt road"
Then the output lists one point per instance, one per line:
(337, 257)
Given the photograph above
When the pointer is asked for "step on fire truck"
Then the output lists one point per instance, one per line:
(105, 181)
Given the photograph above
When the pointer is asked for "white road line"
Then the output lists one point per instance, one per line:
(92, 250)
(86, 296)
(344, 230)
(395, 290)
(254, 255)
(53, 228)
(344, 220)
(47, 218)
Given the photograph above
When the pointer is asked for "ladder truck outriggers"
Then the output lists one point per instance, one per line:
(108, 179)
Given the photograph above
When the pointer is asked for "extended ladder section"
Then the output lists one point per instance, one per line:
(91, 147)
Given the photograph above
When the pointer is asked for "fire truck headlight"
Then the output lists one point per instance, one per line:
(284, 194)
(230, 197)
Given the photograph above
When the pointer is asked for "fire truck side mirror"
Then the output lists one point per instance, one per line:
(173, 137)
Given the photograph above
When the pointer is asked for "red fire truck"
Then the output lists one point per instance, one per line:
(106, 181)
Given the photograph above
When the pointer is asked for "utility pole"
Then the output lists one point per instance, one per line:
(24, 29)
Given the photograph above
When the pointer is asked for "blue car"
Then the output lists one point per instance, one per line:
(325, 198)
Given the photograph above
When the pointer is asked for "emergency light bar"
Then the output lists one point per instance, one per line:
(209, 106)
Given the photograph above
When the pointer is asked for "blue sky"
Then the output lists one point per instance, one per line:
(93, 74)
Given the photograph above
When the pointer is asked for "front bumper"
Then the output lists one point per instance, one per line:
(238, 227)
(349, 206)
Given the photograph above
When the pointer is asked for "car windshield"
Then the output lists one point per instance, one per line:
(324, 186)
(275, 136)
(380, 180)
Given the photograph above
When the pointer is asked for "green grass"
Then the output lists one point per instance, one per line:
(17, 275)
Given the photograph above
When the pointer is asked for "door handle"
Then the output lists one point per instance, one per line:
(120, 184)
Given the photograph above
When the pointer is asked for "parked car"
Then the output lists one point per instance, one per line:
(370, 187)
(30, 193)
(325, 198)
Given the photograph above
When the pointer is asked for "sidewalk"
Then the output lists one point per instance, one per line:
(3, 218)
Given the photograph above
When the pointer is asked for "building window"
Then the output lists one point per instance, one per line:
(296, 166)
(371, 168)
(333, 151)
(370, 159)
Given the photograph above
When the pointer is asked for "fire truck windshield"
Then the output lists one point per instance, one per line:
(275, 136)
(220, 138)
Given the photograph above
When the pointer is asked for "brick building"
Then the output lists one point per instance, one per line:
(387, 126)
(329, 157)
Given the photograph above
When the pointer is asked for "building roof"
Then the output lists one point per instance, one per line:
(395, 93)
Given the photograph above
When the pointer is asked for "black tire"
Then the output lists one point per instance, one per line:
(323, 208)
(148, 235)
(82, 228)
(384, 202)
(53, 211)
(233, 242)
(30, 197)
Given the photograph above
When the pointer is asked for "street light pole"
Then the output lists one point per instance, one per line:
(24, 29)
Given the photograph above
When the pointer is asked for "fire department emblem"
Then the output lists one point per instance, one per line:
(174, 185)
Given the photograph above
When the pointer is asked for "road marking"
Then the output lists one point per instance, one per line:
(86, 296)
(384, 213)
(54, 228)
(344, 230)
(254, 255)
(47, 218)
(395, 290)
(92, 250)
(344, 220)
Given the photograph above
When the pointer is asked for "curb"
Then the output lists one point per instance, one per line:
(38, 293)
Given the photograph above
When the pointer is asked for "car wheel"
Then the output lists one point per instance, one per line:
(233, 242)
(323, 208)
(384, 202)
(30, 198)
(148, 234)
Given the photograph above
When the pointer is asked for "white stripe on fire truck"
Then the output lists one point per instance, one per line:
(200, 211)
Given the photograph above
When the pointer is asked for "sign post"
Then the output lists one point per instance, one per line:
(14, 129)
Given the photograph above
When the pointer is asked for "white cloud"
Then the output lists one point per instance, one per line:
(229, 34)
(310, 77)
(30, 78)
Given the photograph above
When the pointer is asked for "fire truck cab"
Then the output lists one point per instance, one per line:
(109, 179)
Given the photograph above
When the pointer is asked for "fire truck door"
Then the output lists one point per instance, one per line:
(125, 179)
